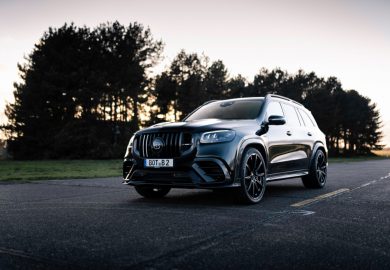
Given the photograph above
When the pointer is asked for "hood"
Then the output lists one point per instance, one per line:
(201, 125)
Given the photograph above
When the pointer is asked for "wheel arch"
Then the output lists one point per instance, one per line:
(251, 142)
(318, 146)
(260, 148)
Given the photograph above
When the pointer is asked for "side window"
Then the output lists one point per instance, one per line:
(306, 119)
(291, 114)
(274, 109)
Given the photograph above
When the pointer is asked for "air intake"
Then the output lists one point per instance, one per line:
(212, 170)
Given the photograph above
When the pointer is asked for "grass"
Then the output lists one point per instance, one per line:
(58, 169)
(355, 159)
(378, 155)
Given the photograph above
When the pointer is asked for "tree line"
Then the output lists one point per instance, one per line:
(85, 91)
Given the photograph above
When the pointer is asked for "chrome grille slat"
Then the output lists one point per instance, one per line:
(173, 143)
(143, 145)
(140, 146)
(147, 144)
(167, 143)
(170, 143)
(177, 137)
(180, 141)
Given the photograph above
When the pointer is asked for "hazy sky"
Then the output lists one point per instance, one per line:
(348, 39)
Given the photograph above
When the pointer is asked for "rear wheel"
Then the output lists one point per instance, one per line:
(152, 192)
(253, 176)
(318, 171)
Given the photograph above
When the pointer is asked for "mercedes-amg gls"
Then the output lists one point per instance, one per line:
(238, 143)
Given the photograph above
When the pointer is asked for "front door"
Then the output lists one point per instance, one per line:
(299, 156)
(281, 145)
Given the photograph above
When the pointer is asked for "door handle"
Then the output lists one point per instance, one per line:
(289, 133)
(309, 134)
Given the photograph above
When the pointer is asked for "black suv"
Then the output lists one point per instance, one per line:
(237, 143)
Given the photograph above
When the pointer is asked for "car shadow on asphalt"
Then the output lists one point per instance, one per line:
(196, 198)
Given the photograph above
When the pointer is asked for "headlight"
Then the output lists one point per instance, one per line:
(217, 136)
(129, 146)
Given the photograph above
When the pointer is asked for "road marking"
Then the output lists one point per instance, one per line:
(320, 197)
(302, 212)
(373, 182)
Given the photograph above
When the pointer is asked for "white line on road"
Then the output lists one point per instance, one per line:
(373, 181)
(320, 197)
(337, 192)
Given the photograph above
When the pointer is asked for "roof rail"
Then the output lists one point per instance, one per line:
(296, 102)
(282, 97)
(210, 101)
(285, 98)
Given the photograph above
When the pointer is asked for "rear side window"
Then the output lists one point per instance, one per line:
(306, 119)
(274, 109)
(291, 115)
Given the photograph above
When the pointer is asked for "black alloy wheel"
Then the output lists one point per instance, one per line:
(321, 168)
(318, 171)
(253, 176)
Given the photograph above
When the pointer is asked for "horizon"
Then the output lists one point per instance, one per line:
(348, 40)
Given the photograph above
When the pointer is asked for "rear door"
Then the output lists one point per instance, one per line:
(308, 133)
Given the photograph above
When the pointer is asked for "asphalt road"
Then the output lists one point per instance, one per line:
(101, 224)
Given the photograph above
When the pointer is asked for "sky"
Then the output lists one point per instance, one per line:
(349, 39)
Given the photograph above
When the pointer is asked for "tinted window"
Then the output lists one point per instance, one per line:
(306, 119)
(228, 110)
(291, 115)
(274, 109)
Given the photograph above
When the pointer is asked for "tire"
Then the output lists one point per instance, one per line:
(152, 192)
(252, 175)
(317, 171)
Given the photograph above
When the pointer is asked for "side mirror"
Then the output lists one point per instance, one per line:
(276, 120)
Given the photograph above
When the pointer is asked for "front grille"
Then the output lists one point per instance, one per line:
(212, 170)
(175, 143)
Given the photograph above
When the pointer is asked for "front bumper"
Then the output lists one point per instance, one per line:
(206, 173)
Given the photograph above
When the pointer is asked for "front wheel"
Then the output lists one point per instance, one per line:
(318, 172)
(152, 192)
(253, 176)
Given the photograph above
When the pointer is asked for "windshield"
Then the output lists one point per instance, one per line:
(228, 110)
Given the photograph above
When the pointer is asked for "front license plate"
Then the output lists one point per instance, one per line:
(158, 163)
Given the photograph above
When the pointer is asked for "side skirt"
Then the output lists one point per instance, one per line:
(294, 174)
